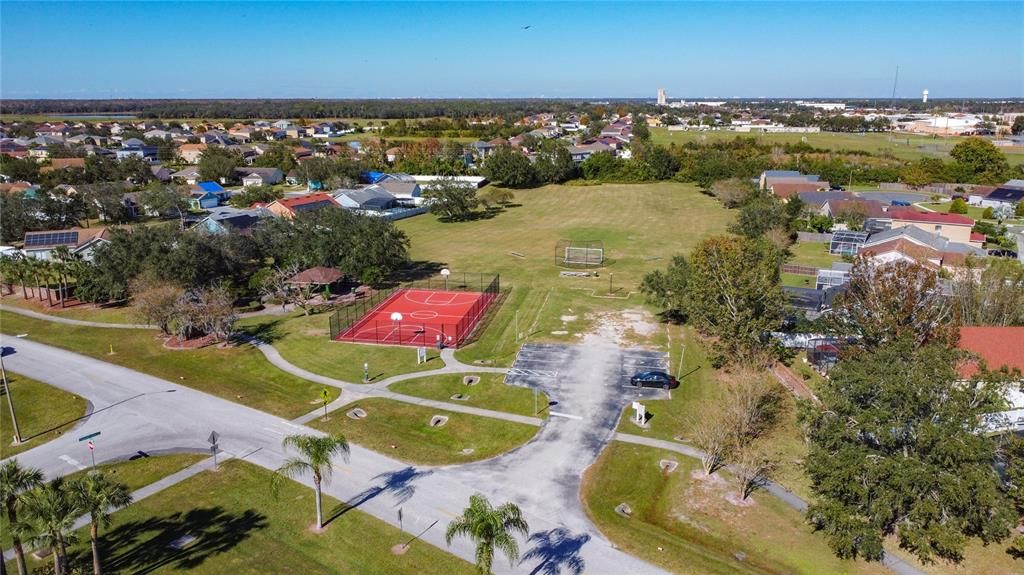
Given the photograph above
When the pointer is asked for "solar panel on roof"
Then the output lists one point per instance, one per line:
(51, 239)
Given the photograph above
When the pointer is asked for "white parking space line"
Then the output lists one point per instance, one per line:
(565, 415)
(272, 430)
(72, 462)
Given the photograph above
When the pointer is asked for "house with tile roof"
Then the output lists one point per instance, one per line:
(913, 244)
(291, 207)
(954, 227)
(998, 347)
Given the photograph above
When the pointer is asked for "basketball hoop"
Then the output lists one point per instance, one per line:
(396, 316)
(445, 272)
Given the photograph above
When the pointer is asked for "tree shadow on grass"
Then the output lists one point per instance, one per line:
(145, 546)
(398, 483)
(558, 551)
(267, 332)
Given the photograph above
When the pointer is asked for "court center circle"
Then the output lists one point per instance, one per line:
(423, 314)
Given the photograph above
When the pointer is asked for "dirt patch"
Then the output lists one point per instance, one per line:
(174, 343)
(627, 327)
(711, 497)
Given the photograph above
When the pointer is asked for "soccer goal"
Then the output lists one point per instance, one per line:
(575, 253)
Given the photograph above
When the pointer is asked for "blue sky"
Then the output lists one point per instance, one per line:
(474, 50)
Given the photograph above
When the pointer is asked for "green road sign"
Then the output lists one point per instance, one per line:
(88, 437)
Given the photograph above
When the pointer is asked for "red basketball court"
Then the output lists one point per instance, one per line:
(427, 316)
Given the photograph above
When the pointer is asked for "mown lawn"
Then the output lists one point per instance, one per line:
(688, 526)
(136, 473)
(814, 254)
(490, 393)
(303, 341)
(239, 527)
(641, 226)
(44, 412)
(113, 314)
(403, 431)
(240, 374)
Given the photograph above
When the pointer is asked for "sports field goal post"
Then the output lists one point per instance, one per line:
(579, 253)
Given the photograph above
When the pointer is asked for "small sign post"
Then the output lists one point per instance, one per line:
(92, 447)
(214, 437)
(366, 373)
(400, 520)
(641, 412)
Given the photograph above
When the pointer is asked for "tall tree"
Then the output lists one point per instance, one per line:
(897, 452)
(734, 294)
(315, 455)
(979, 161)
(990, 292)
(509, 167)
(50, 512)
(451, 200)
(489, 528)
(887, 303)
(98, 495)
(15, 481)
(218, 164)
(667, 289)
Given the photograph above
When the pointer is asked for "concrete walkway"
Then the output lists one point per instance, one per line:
(69, 321)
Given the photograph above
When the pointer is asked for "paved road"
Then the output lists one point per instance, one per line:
(139, 412)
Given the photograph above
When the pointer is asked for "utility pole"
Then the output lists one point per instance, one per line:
(10, 400)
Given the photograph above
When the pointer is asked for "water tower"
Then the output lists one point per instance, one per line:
(924, 97)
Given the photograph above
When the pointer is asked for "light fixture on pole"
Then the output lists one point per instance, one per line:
(397, 318)
(445, 273)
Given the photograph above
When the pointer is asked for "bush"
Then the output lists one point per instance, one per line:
(959, 206)
(989, 214)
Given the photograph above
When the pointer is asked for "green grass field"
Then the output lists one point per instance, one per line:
(135, 474)
(303, 340)
(240, 374)
(44, 413)
(642, 227)
(688, 526)
(240, 528)
(814, 254)
(403, 431)
(117, 314)
(902, 146)
(490, 393)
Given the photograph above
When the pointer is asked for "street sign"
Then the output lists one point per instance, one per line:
(214, 436)
(88, 437)
(91, 446)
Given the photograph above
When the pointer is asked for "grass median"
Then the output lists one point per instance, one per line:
(404, 431)
(44, 413)
(239, 527)
(239, 373)
(489, 393)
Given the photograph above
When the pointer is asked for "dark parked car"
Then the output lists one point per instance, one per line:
(654, 379)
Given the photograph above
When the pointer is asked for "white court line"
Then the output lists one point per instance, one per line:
(565, 415)
(72, 462)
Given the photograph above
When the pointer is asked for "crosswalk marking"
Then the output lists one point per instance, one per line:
(72, 462)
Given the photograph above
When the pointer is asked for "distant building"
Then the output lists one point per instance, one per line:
(662, 100)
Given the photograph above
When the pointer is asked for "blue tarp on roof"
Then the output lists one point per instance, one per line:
(371, 177)
(210, 186)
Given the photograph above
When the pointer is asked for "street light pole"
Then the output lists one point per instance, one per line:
(611, 276)
(10, 400)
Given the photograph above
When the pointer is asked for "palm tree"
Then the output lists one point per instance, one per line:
(489, 528)
(15, 480)
(64, 263)
(315, 453)
(98, 495)
(50, 513)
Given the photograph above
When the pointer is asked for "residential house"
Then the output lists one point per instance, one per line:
(132, 143)
(482, 149)
(910, 243)
(191, 153)
(259, 176)
(202, 200)
(214, 188)
(63, 164)
(161, 173)
(785, 188)
(1007, 195)
(406, 192)
(79, 241)
(158, 133)
(236, 221)
(858, 211)
(997, 347)
(291, 207)
(769, 176)
(580, 153)
(954, 227)
(371, 198)
(189, 175)
(141, 152)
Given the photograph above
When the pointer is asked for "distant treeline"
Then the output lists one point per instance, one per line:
(255, 109)
(417, 108)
